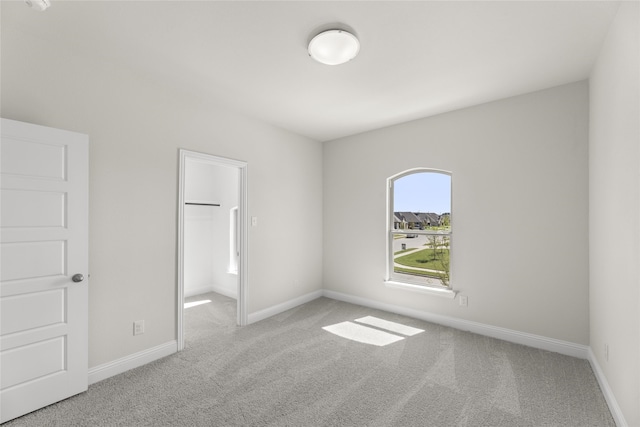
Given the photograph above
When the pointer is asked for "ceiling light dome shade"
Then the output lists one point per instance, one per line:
(334, 47)
(38, 4)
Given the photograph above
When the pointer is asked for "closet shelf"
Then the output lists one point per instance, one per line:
(202, 204)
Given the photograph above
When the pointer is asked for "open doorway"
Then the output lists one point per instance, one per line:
(212, 238)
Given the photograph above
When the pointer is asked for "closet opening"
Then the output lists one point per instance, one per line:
(212, 237)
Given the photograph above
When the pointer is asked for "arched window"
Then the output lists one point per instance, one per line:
(419, 228)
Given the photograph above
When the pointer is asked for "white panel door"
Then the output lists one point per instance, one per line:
(44, 249)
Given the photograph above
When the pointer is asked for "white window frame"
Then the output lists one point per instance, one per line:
(396, 280)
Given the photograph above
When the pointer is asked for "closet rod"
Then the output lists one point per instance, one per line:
(202, 204)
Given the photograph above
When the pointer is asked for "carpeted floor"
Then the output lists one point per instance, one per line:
(289, 371)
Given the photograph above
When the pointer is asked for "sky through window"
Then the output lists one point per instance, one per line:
(423, 192)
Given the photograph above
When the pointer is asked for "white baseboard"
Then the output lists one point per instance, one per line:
(197, 291)
(531, 340)
(231, 293)
(287, 305)
(106, 370)
(616, 412)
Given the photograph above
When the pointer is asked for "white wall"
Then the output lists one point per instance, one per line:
(206, 228)
(519, 214)
(136, 127)
(614, 210)
(198, 252)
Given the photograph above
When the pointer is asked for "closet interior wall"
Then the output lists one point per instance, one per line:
(211, 193)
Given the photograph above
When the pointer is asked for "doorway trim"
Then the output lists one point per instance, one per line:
(243, 227)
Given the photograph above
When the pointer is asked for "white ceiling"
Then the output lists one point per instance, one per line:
(417, 58)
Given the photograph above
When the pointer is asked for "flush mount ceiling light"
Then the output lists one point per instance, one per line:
(334, 47)
(38, 4)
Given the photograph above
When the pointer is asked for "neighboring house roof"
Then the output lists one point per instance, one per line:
(409, 217)
(397, 217)
(424, 217)
(431, 218)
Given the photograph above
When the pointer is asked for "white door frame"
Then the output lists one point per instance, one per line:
(242, 316)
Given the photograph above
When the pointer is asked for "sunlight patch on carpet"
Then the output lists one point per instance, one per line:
(195, 303)
(362, 334)
(390, 326)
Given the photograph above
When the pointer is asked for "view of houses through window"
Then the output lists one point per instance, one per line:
(420, 227)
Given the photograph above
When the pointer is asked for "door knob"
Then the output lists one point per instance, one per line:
(77, 277)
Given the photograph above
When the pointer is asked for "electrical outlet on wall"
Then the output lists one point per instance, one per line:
(138, 327)
(463, 300)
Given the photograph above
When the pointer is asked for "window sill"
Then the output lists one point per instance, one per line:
(445, 293)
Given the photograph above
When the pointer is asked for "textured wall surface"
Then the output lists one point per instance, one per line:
(614, 210)
(135, 129)
(519, 215)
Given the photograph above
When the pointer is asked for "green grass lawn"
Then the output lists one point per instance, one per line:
(425, 259)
